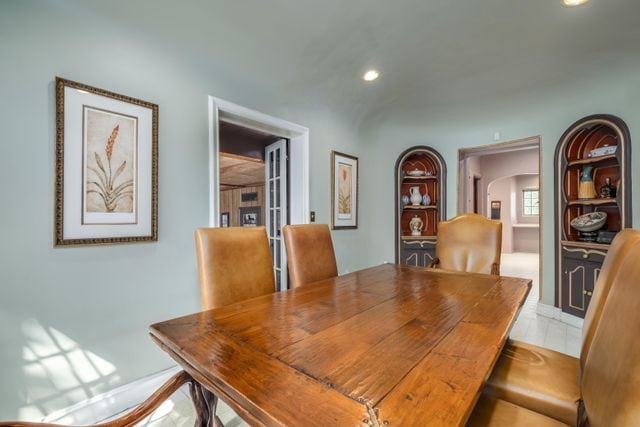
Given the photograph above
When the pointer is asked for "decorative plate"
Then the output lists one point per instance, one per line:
(416, 172)
(589, 222)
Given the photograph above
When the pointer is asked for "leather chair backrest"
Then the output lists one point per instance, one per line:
(234, 264)
(469, 243)
(612, 262)
(611, 376)
(310, 255)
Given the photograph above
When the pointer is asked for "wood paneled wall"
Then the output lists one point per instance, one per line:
(230, 201)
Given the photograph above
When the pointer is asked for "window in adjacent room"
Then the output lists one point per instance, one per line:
(530, 202)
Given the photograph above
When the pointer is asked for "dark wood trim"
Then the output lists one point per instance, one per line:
(622, 159)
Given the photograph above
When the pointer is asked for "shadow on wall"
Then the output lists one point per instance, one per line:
(58, 372)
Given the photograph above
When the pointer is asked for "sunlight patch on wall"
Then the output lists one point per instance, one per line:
(58, 372)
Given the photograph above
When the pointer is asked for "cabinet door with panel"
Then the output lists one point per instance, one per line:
(577, 276)
(418, 252)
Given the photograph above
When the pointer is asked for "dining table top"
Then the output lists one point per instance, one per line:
(385, 346)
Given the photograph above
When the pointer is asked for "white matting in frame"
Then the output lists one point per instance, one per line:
(106, 166)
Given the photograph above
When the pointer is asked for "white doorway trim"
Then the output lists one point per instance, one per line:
(221, 110)
(501, 147)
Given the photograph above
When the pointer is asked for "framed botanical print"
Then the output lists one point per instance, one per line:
(106, 167)
(249, 216)
(344, 191)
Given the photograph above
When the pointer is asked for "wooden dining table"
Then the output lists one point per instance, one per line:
(391, 345)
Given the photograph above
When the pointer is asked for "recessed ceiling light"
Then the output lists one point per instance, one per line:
(574, 2)
(371, 75)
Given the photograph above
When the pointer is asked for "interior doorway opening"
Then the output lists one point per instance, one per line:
(259, 174)
(253, 186)
(477, 194)
(502, 181)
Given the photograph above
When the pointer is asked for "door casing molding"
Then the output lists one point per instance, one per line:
(501, 147)
(222, 110)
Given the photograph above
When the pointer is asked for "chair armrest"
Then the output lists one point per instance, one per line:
(131, 418)
(495, 269)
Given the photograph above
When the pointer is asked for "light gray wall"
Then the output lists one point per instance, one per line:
(525, 239)
(525, 182)
(496, 166)
(73, 321)
(96, 303)
(449, 127)
(502, 189)
(469, 169)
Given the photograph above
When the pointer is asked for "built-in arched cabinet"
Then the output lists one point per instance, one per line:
(592, 175)
(420, 200)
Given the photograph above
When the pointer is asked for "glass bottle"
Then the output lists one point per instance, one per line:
(607, 191)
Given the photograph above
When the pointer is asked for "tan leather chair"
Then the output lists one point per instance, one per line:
(492, 412)
(310, 255)
(234, 264)
(611, 376)
(610, 385)
(469, 243)
(547, 381)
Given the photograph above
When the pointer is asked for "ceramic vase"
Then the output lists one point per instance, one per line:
(416, 225)
(426, 199)
(416, 197)
(586, 189)
(405, 200)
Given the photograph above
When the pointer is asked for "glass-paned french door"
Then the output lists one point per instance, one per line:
(276, 207)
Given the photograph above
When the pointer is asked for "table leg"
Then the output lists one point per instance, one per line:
(205, 404)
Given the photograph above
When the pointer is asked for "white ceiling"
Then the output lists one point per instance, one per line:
(430, 52)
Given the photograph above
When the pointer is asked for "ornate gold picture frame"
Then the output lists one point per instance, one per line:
(344, 191)
(106, 167)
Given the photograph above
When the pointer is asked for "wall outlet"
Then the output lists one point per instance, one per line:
(312, 216)
(496, 136)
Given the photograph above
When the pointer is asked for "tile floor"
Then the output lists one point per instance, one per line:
(530, 327)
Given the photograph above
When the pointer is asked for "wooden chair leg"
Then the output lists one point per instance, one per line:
(434, 263)
(495, 269)
(205, 404)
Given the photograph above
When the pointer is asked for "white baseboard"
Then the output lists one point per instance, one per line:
(553, 312)
(106, 405)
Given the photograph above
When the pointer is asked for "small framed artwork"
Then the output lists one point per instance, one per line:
(106, 167)
(496, 205)
(224, 219)
(344, 191)
(249, 197)
(250, 217)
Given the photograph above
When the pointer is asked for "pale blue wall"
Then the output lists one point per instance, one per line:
(100, 300)
(448, 128)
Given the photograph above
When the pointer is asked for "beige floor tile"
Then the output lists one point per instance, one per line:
(530, 326)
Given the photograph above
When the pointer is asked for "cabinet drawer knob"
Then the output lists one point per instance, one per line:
(584, 292)
(589, 293)
(585, 256)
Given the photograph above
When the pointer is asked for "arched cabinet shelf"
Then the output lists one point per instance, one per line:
(419, 171)
(598, 147)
